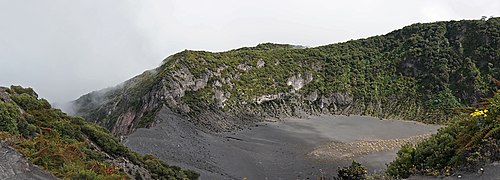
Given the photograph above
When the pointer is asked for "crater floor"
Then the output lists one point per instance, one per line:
(288, 149)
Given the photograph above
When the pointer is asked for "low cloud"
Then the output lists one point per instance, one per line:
(66, 49)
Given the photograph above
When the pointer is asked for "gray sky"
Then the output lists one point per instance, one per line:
(66, 48)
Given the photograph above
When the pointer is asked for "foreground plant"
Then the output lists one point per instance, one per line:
(469, 141)
(355, 171)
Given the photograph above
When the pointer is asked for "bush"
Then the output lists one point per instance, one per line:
(468, 141)
(435, 153)
(26, 129)
(104, 140)
(354, 172)
(29, 103)
(85, 175)
(400, 168)
(9, 115)
(21, 90)
(432, 157)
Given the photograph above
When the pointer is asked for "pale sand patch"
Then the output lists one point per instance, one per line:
(346, 151)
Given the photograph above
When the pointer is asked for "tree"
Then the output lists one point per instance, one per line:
(469, 83)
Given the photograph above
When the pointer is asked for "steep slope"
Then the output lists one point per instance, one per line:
(418, 73)
(67, 147)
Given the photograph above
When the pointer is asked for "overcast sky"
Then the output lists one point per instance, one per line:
(66, 48)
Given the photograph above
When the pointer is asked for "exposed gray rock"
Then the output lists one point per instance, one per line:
(217, 84)
(4, 96)
(123, 122)
(200, 83)
(169, 91)
(220, 97)
(218, 72)
(297, 81)
(260, 63)
(312, 96)
(335, 100)
(13, 166)
(265, 98)
(132, 169)
(244, 67)
(182, 80)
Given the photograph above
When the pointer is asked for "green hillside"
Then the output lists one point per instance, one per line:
(69, 147)
(420, 72)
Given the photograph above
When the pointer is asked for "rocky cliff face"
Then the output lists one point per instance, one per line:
(122, 111)
(416, 73)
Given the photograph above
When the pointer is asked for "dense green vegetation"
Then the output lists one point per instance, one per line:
(69, 147)
(420, 72)
(355, 171)
(471, 139)
(424, 70)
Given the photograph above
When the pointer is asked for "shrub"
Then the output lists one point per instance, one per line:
(29, 103)
(85, 175)
(400, 168)
(26, 129)
(354, 172)
(21, 90)
(102, 138)
(436, 152)
(9, 115)
(468, 141)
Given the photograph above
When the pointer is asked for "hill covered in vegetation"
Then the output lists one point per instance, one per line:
(468, 142)
(69, 147)
(420, 72)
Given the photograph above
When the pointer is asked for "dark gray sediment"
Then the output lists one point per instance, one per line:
(271, 150)
(490, 172)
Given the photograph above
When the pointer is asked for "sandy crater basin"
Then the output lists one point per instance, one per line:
(291, 148)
